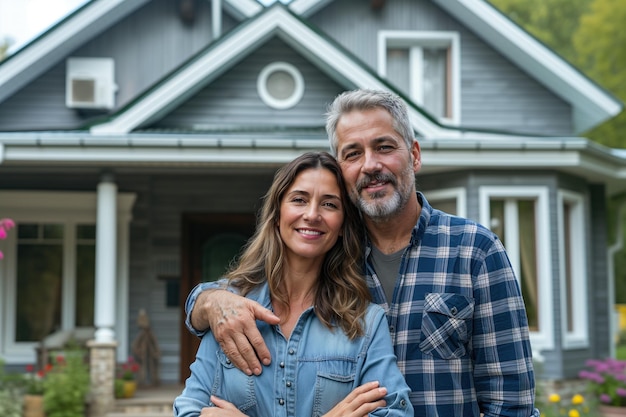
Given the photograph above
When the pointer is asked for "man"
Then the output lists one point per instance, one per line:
(455, 310)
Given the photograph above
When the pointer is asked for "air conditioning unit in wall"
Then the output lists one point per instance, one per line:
(90, 83)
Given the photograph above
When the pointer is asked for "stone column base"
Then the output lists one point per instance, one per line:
(102, 369)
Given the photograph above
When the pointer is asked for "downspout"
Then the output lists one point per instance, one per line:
(612, 250)
(216, 15)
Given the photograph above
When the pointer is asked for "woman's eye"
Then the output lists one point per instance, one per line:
(331, 205)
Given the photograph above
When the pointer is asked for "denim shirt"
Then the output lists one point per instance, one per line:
(310, 373)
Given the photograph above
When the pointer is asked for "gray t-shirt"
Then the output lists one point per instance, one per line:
(387, 267)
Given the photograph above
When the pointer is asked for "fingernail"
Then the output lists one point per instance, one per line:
(257, 371)
(266, 361)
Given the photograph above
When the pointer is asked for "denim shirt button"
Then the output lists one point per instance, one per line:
(291, 351)
(403, 403)
(281, 402)
(282, 364)
(288, 384)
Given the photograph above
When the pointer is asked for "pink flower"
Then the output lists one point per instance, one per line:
(5, 225)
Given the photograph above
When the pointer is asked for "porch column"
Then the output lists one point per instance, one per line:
(106, 263)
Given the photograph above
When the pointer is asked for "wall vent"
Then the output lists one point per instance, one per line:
(90, 83)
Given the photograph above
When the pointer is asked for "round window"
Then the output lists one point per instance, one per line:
(280, 85)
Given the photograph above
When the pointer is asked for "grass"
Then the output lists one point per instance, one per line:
(620, 352)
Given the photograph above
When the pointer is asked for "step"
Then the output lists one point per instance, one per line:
(147, 402)
(148, 414)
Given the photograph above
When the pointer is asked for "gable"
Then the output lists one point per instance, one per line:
(194, 75)
(232, 100)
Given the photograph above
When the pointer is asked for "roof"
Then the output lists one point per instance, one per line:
(116, 141)
(276, 20)
(592, 105)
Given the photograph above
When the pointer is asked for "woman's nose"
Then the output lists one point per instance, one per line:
(312, 214)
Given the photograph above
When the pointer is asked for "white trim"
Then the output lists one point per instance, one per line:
(60, 42)
(69, 208)
(415, 41)
(579, 337)
(459, 194)
(306, 8)
(276, 20)
(268, 98)
(544, 338)
(591, 104)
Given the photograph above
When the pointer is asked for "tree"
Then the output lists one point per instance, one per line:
(587, 33)
(4, 46)
(553, 22)
(599, 42)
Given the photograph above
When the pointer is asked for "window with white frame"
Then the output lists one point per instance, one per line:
(519, 216)
(47, 277)
(450, 200)
(43, 252)
(573, 269)
(426, 65)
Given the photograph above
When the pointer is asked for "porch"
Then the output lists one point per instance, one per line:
(147, 402)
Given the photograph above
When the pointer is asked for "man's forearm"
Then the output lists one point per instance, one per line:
(200, 321)
(196, 320)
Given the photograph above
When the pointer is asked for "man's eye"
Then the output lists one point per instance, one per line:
(385, 148)
(351, 155)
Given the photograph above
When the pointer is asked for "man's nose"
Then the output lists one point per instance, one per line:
(371, 162)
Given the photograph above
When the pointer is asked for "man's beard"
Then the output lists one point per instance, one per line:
(377, 210)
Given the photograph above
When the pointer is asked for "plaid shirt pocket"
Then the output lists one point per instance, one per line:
(446, 325)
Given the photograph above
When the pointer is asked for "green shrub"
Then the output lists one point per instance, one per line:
(67, 385)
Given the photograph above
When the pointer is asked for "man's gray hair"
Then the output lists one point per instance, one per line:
(367, 100)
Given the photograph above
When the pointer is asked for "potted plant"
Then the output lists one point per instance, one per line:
(607, 382)
(127, 374)
(33, 391)
(66, 385)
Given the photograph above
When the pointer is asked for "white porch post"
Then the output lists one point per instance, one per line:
(106, 263)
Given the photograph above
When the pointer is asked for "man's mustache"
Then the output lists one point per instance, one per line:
(373, 178)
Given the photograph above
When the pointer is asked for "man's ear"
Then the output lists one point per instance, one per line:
(416, 154)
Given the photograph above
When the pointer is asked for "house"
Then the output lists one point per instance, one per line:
(159, 124)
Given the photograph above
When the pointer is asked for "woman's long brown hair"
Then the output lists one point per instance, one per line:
(341, 296)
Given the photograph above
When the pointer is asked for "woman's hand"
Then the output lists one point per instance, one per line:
(361, 401)
(222, 409)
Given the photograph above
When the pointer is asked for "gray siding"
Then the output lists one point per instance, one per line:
(232, 99)
(145, 46)
(495, 94)
(156, 242)
(155, 231)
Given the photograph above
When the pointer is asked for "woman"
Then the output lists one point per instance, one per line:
(332, 347)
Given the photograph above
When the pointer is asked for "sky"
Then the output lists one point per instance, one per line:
(23, 20)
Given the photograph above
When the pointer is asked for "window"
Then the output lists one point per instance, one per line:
(427, 66)
(47, 278)
(450, 200)
(573, 269)
(519, 216)
(280, 85)
(42, 251)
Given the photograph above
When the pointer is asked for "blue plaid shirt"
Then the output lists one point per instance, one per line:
(458, 321)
